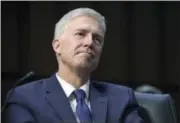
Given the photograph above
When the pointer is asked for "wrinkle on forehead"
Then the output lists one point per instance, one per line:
(80, 25)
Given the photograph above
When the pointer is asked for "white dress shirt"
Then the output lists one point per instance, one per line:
(68, 89)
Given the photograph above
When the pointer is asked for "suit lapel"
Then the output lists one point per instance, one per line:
(58, 100)
(98, 101)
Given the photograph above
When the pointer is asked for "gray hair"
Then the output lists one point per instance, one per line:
(60, 25)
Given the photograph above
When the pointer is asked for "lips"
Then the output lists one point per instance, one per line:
(87, 53)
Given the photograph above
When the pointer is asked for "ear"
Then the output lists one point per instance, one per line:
(56, 46)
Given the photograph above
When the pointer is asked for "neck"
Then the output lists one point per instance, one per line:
(74, 77)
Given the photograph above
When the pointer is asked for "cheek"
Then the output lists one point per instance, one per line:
(98, 50)
(65, 47)
(68, 48)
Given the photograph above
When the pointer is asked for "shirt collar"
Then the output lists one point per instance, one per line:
(68, 88)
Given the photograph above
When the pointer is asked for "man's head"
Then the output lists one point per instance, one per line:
(79, 38)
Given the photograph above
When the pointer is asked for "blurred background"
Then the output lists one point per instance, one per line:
(142, 44)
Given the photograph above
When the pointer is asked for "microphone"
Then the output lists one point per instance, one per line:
(28, 75)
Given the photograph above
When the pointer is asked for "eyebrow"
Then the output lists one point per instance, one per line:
(82, 30)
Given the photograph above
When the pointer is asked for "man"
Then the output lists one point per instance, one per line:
(69, 96)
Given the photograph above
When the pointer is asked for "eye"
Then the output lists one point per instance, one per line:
(98, 39)
(80, 34)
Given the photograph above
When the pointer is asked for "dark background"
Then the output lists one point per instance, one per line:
(142, 45)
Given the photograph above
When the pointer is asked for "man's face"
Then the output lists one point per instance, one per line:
(81, 43)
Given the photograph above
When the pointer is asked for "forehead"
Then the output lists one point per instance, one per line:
(85, 23)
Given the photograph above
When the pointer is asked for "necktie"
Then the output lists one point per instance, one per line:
(82, 109)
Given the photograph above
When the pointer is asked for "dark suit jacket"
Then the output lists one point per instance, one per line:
(44, 101)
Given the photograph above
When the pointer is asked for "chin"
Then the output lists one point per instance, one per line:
(86, 65)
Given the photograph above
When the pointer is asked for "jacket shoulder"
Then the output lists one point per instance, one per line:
(112, 88)
(33, 85)
(26, 91)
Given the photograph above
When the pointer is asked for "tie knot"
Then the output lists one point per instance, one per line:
(80, 94)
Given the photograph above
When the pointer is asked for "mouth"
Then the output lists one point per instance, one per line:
(86, 54)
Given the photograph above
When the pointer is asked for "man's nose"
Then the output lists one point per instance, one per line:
(89, 40)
